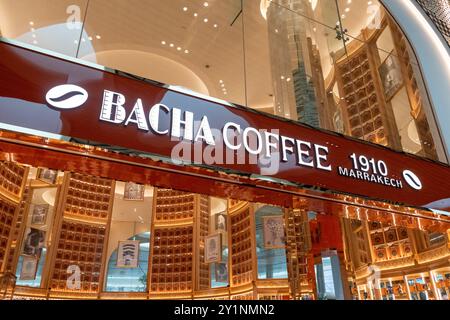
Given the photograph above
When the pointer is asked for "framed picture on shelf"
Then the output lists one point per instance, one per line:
(220, 221)
(128, 254)
(213, 248)
(134, 191)
(47, 175)
(273, 231)
(39, 214)
(391, 76)
(34, 242)
(29, 268)
(221, 272)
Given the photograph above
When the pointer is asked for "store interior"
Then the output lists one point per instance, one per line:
(81, 234)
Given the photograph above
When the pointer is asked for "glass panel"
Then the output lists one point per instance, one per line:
(185, 44)
(289, 60)
(219, 224)
(338, 79)
(38, 227)
(351, 249)
(130, 232)
(51, 25)
(403, 100)
(270, 243)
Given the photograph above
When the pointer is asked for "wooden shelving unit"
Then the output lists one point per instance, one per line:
(389, 242)
(15, 236)
(242, 248)
(172, 259)
(7, 212)
(299, 258)
(172, 249)
(203, 223)
(82, 245)
(13, 179)
(88, 198)
(173, 205)
(363, 103)
(415, 89)
(84, 225)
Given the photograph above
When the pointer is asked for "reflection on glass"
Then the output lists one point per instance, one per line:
(37, 229)
(340, 65)
(271, 256)
(181, 43)
(332, 69)
(30, 276)
(387, 261)
(129, 238)
(51, 25)
(219, 271)
(121, 279)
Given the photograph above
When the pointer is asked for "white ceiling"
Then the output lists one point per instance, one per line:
(207, 57)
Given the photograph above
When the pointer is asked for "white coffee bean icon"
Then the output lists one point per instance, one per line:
(412, 179)
(66, 96)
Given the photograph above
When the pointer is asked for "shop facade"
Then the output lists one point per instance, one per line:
(331, 183)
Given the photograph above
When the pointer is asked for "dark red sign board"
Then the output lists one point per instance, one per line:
(27, 76)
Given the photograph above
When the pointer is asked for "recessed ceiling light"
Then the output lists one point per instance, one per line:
(205, 4)
(347, 9)
(90, 38)
(171, 45)
(33, 29)
(178, 48)
(205, 20)
(31, 23)
(288, 79)
(163, 42)
(195, 14)
(98, 37)
(186, 51)
(343, 16)
(215, 25)
(185, 9)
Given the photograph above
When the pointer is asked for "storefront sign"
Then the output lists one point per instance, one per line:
(55, 96)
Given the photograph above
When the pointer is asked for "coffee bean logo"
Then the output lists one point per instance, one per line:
(412, 180)
(66, 96)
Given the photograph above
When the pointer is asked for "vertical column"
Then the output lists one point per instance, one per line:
(405, 279)
(12, 186)
(300, 261)
(201, 230)
(436, 292)
(78, 252)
